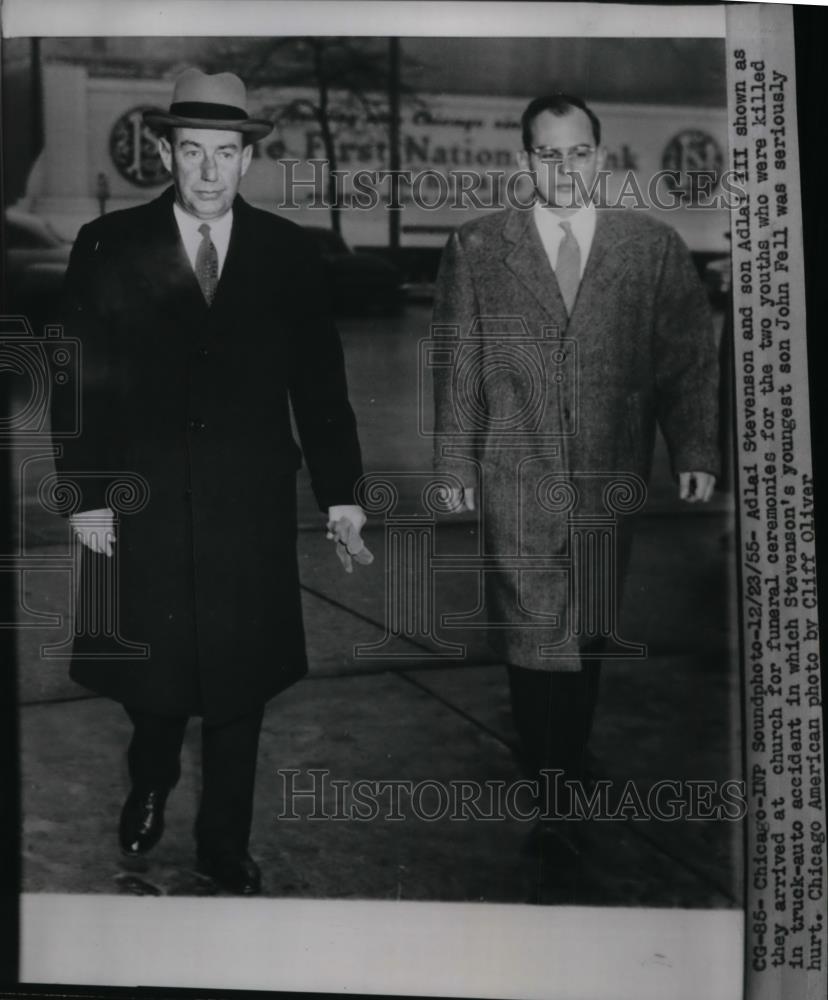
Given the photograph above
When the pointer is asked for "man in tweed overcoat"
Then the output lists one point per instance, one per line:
(635, 347)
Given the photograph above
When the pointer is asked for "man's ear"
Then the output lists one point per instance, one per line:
(600, 158)
(522, 159)
(165, 152)
(247, 156)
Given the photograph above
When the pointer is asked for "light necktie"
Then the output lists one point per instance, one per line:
(568, 269)
(206, 264)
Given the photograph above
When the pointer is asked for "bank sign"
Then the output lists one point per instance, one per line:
(457, 159)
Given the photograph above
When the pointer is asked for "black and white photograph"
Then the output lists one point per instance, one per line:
(384, 483)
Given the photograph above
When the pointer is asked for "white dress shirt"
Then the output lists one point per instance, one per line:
(551, 234)
(191, 237)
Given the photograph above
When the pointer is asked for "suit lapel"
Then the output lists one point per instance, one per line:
(238, 264)
(606, 261)
(526, 259)
(165, 268)
(167, 274)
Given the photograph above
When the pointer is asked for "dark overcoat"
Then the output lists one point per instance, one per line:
(541, 449)
(190, 407)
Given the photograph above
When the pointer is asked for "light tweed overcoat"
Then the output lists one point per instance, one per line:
(638, 349)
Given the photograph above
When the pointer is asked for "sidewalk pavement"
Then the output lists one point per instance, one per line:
(673, 715)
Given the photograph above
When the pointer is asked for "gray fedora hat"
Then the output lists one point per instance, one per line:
(218, 101)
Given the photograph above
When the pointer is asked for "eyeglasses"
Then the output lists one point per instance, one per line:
(575, 154)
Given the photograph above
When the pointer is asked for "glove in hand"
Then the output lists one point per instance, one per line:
(350, 547)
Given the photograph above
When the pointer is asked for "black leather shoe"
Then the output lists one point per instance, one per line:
(142, 821)
(237, 874)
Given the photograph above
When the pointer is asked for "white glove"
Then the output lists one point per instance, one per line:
(345, 523)
(95, 529)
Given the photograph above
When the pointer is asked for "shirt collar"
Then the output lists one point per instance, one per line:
(582, 221)
(219, 227)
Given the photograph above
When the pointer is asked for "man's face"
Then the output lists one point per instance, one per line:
(554, 183)
(207, 166)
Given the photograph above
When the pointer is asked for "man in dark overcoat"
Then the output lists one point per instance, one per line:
(607, 306)
(202, 323)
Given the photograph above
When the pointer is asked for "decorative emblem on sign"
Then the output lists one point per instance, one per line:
(133, 149)
(693, 154)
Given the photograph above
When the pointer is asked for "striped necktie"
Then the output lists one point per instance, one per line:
(568, 269)
(206, 264)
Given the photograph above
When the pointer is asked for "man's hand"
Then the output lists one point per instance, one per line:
(696, 486)
(460, 500)
(94, 528)
(344, 527)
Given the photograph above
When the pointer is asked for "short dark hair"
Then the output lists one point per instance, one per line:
(559, 104)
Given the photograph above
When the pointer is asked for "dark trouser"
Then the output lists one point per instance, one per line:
(228, 772)
(553, 716)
